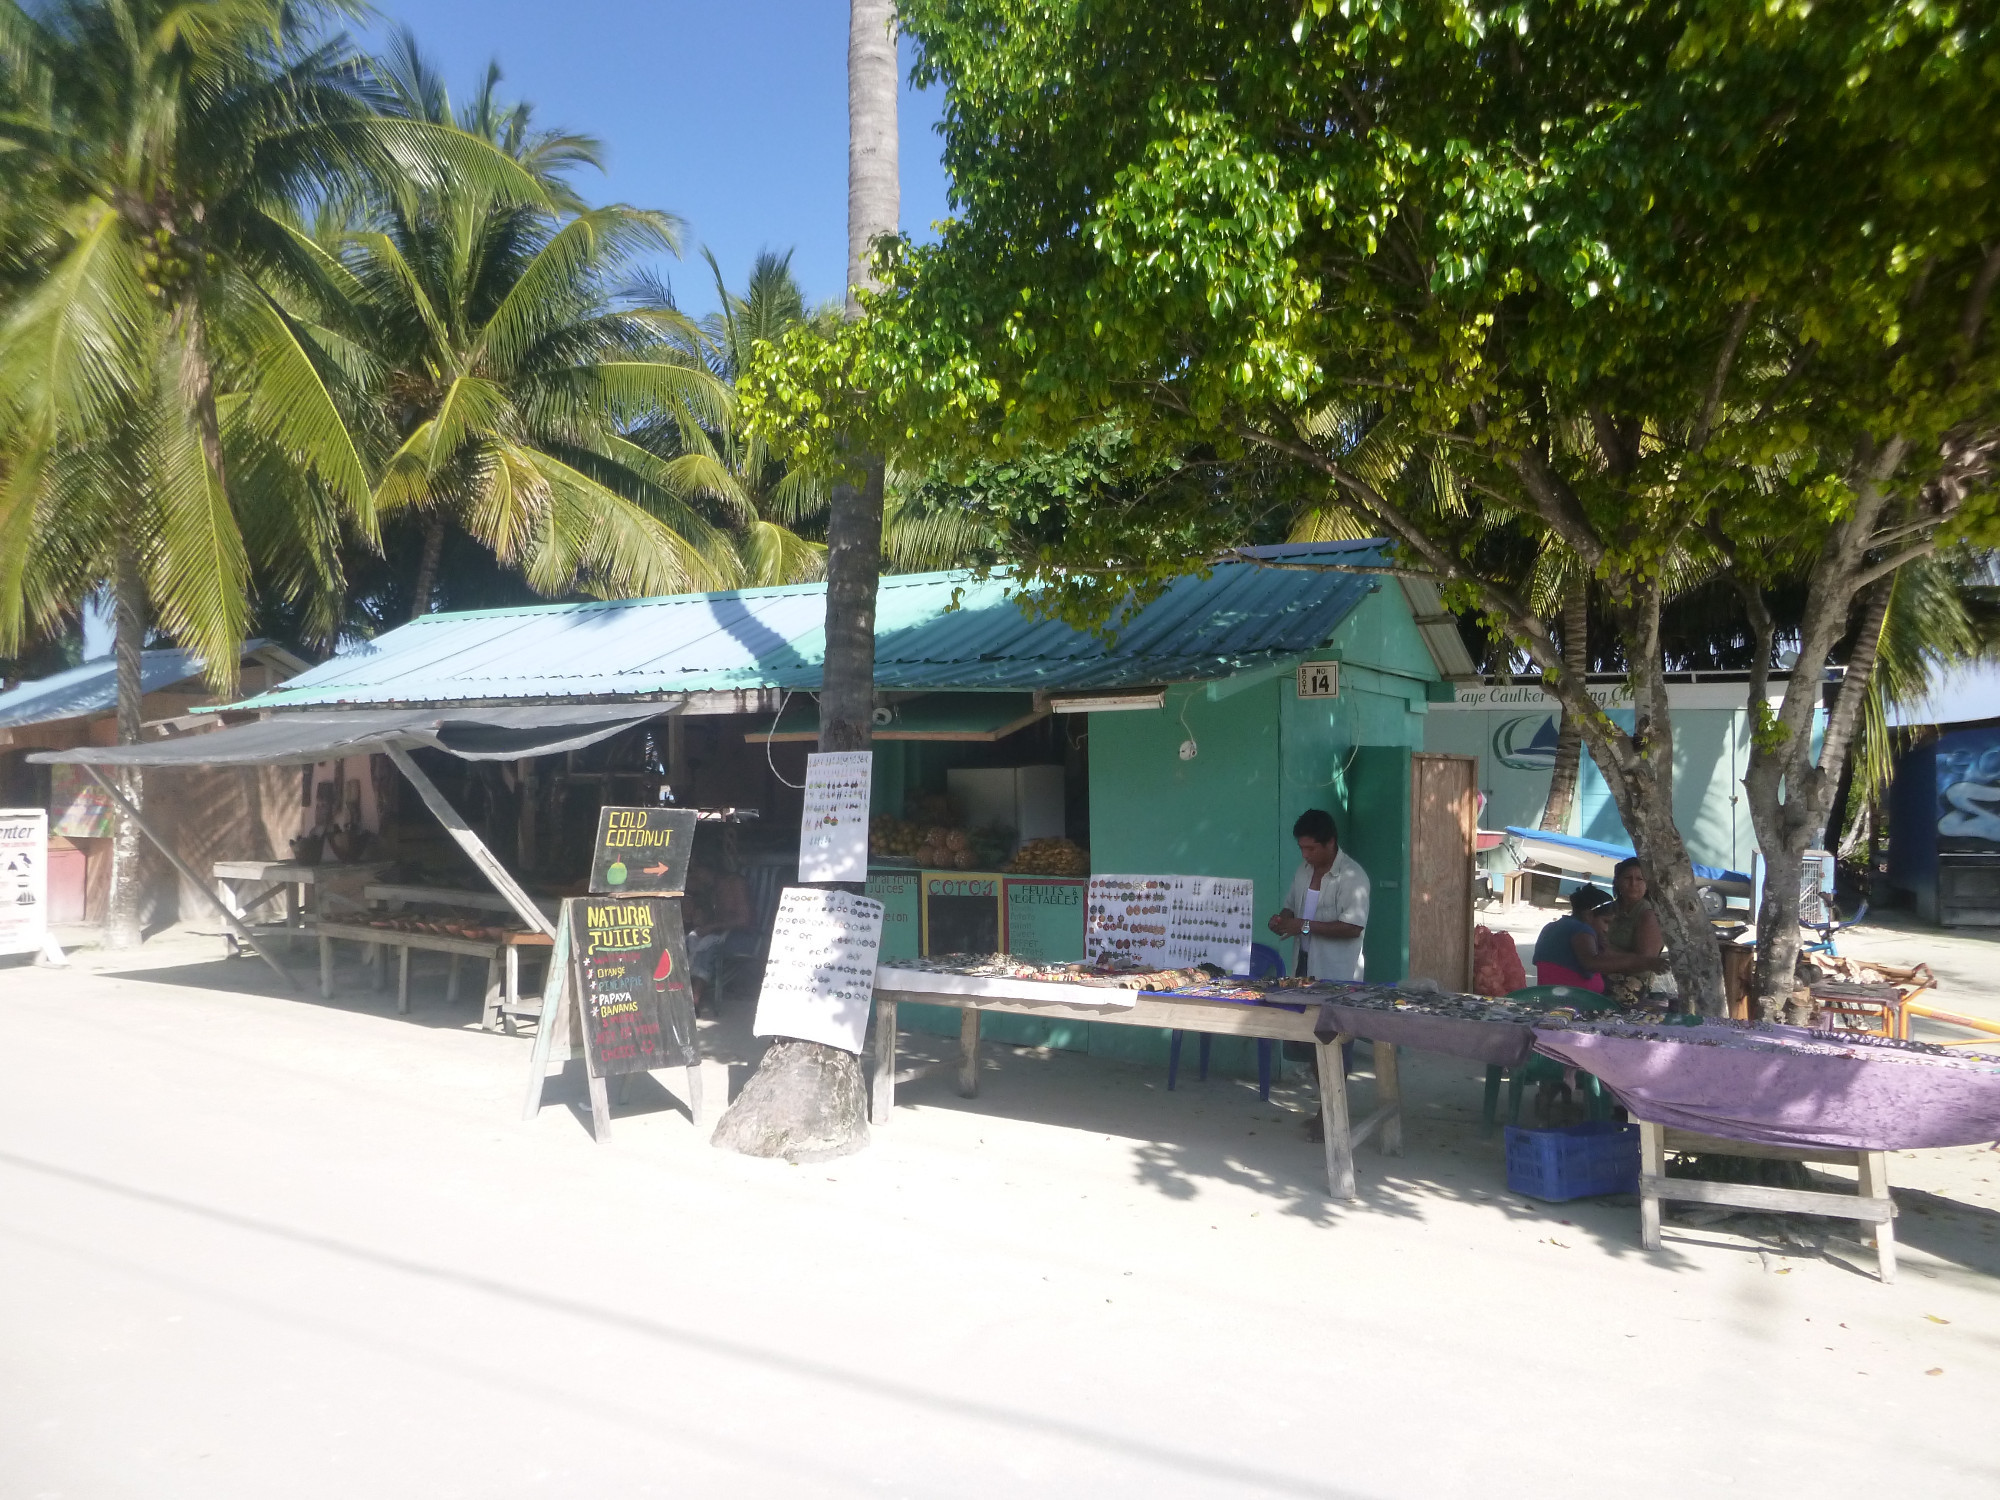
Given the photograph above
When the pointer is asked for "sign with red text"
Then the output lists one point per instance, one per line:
(628, 963)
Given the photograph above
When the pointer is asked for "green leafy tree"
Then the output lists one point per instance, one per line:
(1648, 281)
(166, 419)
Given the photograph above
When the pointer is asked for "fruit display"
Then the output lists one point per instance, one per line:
(936, 846)
(1050, 857)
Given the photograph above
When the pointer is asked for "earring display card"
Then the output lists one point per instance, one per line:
(1209, 923)
(820, 978)
(1125, 920)
(1169, 921)
(833, 829)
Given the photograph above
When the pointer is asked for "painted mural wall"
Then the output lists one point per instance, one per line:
(1512, 730)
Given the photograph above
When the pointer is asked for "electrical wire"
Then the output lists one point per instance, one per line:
(797, 786)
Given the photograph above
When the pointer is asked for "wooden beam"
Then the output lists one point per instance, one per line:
(236, 923)
(483, 857)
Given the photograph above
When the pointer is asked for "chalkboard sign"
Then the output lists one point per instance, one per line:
(899, 891)
(961, 913)
(629, 968)
(642, 851)
(1045, 919)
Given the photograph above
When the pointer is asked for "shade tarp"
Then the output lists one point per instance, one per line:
(1785, 1086)
(511, 732)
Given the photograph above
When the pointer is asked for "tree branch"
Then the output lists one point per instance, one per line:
(1712, 402)
(1889, 565)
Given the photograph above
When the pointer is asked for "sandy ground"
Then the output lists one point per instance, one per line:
(254, 1246)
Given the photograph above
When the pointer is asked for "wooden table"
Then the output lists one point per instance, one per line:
(243, 885)
(503, 1001)
(1869, 1202)
(1169, 1013)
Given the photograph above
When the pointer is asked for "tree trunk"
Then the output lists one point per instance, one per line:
(1568, 770)
(808, 1101)
(1639, 770)
(123, 919)
(427, 567)
(1791, 792)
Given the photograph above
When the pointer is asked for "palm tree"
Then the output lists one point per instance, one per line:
(807, 1100)
(149, 361)
(513, 352)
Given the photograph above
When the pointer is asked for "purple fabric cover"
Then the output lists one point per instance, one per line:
(1782, 1093)
(1506, 1043)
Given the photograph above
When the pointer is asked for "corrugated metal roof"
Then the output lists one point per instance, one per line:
(91, 688)
(933, 631)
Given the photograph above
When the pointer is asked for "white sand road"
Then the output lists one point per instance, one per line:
(257, 1246)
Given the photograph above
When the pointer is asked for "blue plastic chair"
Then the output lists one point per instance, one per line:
(1265, 963)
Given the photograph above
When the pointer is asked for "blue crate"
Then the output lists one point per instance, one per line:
(1576, 1161)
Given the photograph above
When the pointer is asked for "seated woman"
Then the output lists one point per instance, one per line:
(1633, 950)
(1569, 943)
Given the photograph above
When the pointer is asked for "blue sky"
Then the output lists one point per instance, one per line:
(732, 115)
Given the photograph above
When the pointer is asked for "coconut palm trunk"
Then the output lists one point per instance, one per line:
(128, 878)
(808, 1101)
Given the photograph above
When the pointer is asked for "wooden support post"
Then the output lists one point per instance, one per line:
(510, 994)
(1874, 1184)
(553, 1022)
(691, 1077)
(1333, 1119)
(489, 866)
(489, 1005)
(1652, 1166)
(968, 1053)
(236, 924)
(883, 1098)
(403, 980)
(1389, 1096)
(600, 1106)
(326, 968)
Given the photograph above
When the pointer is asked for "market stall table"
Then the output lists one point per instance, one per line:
(1291, 1019)
(243, 885)
(1784, 1093)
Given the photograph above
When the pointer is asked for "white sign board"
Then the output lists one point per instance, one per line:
(1125, 920)
(833, 830)
(1169, 921)
(24, 881)
(1319, 679)
(1210, 923)
(820, 977)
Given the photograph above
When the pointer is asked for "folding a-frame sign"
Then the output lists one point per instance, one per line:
(307, 737)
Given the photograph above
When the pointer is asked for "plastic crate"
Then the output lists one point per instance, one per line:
(1576, 1161)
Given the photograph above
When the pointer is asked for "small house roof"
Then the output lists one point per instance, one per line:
(933, 632)
(93, 687)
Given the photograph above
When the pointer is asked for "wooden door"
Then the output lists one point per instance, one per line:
(1444, 807)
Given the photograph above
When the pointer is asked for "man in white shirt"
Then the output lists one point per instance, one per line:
(1327, 909)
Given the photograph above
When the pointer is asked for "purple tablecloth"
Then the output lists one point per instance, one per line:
(1507, 1043)
(1783, 1086)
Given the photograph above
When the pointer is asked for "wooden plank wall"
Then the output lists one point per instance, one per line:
(1444, 808)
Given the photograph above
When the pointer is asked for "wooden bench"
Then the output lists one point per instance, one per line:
(1869, 1202)
(502, 1002)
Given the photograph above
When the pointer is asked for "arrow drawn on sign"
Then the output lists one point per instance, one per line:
(654, 870)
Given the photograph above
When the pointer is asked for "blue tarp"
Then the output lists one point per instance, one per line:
(1603, 850)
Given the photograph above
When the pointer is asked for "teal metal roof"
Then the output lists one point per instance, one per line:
(933, 631)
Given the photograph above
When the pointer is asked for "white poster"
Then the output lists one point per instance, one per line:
(820, 977)
(833, 831)
(1125, 920)
(1169, 922)
(1210, 923)
(24, 881)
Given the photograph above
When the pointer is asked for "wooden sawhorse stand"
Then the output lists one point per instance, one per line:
(1870, 1202)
